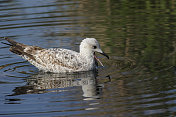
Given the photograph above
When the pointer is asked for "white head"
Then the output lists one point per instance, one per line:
(89, 46)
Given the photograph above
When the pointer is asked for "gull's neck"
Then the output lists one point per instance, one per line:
(88, 58)
(87, 54)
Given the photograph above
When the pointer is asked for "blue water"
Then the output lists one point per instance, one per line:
(138, 79)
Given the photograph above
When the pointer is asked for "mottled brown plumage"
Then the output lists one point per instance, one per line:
(59, 60)
(18, 48)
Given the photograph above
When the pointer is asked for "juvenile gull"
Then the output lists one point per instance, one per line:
(59, 60)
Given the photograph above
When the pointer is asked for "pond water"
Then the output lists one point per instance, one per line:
(138, 80)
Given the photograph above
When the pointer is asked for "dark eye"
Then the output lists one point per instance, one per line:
(94, 47)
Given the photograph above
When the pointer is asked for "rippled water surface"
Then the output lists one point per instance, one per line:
(138, 80)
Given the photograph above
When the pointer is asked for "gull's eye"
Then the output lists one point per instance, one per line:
(94, 47)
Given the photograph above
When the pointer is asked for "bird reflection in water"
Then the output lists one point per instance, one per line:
(41, 82)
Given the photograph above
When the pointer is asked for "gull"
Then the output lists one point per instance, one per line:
(59, 60)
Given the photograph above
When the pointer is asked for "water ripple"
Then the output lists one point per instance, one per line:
(138, 80)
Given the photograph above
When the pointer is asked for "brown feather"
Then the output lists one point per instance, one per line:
(18, 48)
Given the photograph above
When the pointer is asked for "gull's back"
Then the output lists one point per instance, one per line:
(51, 60)
(57, 60)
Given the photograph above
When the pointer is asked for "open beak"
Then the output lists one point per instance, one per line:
(104, 54)
(101, 52)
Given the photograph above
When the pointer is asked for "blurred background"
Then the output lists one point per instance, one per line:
(139, 79)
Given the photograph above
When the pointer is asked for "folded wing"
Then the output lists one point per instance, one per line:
(47, 59)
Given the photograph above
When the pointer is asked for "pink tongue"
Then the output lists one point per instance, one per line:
(98, 61)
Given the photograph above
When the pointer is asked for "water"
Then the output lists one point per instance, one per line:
(138, 80)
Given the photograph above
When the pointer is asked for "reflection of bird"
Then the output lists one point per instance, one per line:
(57, 82)
(60, 60)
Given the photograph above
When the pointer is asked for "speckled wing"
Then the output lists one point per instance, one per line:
(54, 59)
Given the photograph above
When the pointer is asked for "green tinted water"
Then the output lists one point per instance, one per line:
(138, 80)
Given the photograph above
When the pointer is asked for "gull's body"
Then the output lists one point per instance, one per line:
(59, 60)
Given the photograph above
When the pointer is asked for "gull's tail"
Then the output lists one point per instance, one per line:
(22, 49)
(15, 47)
